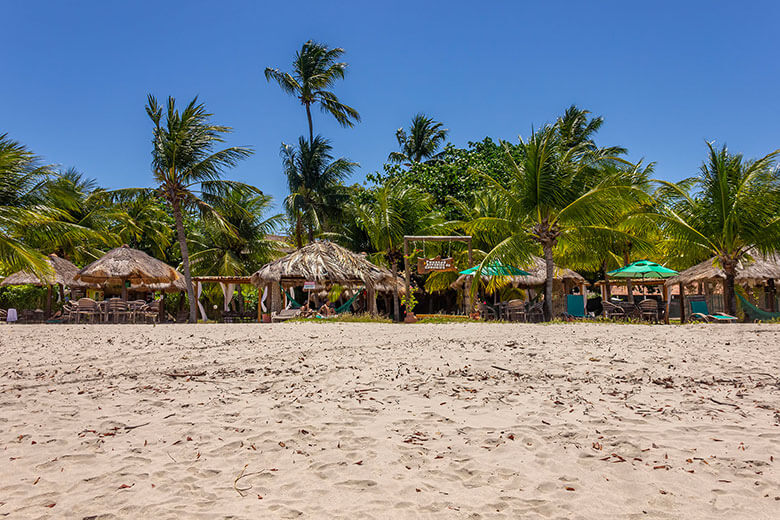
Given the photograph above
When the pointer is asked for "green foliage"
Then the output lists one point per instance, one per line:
(343, 318)
(22, 297)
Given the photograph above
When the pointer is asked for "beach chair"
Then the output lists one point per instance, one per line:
(486, 312)
(535, 312)
(575, 306)
(610, 310)
(515, 310)
(149, 313)
(285, 314)
(700, 312)
(87, 308)
(118, 310)
(648, 308)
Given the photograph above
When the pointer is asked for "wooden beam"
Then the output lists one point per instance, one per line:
(682, 302)
(665, 292)
(407, 282)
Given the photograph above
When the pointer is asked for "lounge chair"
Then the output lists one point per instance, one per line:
(700, 312)
(575, 306)
(285, 314)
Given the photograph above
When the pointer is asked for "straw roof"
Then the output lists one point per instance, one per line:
(126, 264)
(325, 263)
(755, 272)
(538, 275)
(63, 272)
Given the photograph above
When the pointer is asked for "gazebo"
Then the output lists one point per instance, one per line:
(62, 274)
(563, 280)
(133, 270)
(324, 264)
(706, 277)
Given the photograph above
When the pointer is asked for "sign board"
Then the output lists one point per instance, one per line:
(427, 265)
(309, 286)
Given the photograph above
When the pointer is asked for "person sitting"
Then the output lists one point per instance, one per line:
(306, 311)
(327, 310)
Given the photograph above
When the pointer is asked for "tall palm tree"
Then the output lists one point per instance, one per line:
(186, 168)
(144, 223)
(422, 142)
(396, 211)
(555, 192)
(315, 70)
(730, 209)
(314, 179)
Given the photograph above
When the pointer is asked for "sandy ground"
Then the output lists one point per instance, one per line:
(331, 420)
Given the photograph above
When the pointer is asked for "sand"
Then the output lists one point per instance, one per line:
(330, 420)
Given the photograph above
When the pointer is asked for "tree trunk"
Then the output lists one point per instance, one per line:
(396, 304)
(311, 234)
(729, 295)
(311, 126)
(548, 283)
(298, 231)
(185, 260)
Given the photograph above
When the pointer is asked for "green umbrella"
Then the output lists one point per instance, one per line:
(496, 269)
(643, 269)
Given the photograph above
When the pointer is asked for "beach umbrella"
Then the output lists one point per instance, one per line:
(496, 269)
(132, 269)
(643, 269)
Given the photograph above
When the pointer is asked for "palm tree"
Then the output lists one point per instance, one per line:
(245, 248)
(186, 169)
(730, 209)
(144, 223)
(25, 217)
(315, 70)
(424, 139)
(396, 211)
(555, 192)
(314, 179)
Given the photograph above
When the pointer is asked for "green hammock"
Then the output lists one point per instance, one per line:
(344, 308)
(754, 313)
(293, 303)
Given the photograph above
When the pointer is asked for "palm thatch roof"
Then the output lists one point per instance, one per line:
(749, 272)
(125, 264)
(63, 272)
(324, 263)
(538, 275)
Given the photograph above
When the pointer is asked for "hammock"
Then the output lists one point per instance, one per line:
(344, 308)
(754, 313)
(293, 303)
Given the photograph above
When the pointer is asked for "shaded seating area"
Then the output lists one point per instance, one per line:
(755, 284)
(565, 281)
(322, 266)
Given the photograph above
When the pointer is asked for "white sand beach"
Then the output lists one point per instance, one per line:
(390, 421)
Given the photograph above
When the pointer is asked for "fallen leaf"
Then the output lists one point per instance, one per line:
(569, 488)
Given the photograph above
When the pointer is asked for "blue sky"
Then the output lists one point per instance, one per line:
(665, 75)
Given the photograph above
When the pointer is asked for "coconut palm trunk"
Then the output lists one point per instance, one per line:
(396, 304)
(729, 294)
(185, 259)
(549, 268)
(311, 125)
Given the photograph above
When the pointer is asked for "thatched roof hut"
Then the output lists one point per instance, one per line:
(753, 272)
(537, 277)
(124, 264)
(63, 272)
(324, 263)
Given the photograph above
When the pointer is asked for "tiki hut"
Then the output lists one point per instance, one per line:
(62, 274)
(131, 269)
(707, 278)
(563, 281)
(325, 264)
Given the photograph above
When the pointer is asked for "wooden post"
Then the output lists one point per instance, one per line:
(665, 293)
(682, 302)
(469, 299)
(124, 290)
(607, 287)
(161, 317)
(407, 282)
(47, 311)
(371, 299)
(770, 285)
(584, 300)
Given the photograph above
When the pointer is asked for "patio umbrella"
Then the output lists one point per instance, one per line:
(643, 269)
(496, 269)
